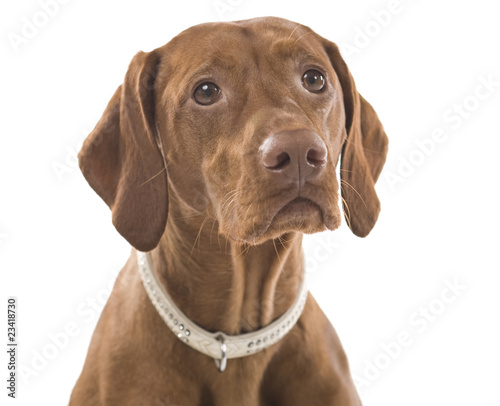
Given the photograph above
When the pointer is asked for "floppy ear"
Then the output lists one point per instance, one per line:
(363, 154)
(123, 161)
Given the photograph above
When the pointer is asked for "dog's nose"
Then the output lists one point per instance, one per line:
(293, 156)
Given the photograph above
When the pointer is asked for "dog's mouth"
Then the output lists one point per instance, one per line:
(297, 214)
(299, 209)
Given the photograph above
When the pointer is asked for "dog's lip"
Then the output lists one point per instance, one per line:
(290, 206)
(297, 206)
(286, 212)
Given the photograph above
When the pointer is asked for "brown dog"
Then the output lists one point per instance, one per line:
(234, 131)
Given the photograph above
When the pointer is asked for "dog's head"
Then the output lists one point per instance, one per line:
(245, 123)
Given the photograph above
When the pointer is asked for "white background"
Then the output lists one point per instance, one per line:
(439, 224)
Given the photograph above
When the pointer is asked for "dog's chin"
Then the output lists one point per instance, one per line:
(299, 215)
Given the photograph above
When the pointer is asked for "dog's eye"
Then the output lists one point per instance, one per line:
(206, 93)
(314, 81)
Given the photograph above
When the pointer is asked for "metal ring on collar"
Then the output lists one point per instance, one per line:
(222, 362)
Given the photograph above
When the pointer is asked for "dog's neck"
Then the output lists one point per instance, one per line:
(222, 285)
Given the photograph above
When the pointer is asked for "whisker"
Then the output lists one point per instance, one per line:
(290, 36)
(348, 214)
(276, 249)
(197, 238)
(211, 230)
(152, 177)
(302, 36)
(352, 187)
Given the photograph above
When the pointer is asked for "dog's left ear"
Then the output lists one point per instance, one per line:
(123, 161)
(363, 154)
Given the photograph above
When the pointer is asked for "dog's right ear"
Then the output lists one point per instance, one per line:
(123, 161)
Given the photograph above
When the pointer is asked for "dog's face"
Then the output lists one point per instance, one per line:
(250, 120)
(235, 92)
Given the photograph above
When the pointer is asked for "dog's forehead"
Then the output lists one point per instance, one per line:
(232, 43)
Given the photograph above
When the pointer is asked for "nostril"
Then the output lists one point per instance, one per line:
(316, 157)
(279, 162)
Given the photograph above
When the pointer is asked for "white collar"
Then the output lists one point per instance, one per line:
(218, 345)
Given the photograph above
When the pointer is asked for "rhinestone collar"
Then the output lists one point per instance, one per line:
(218, 345)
